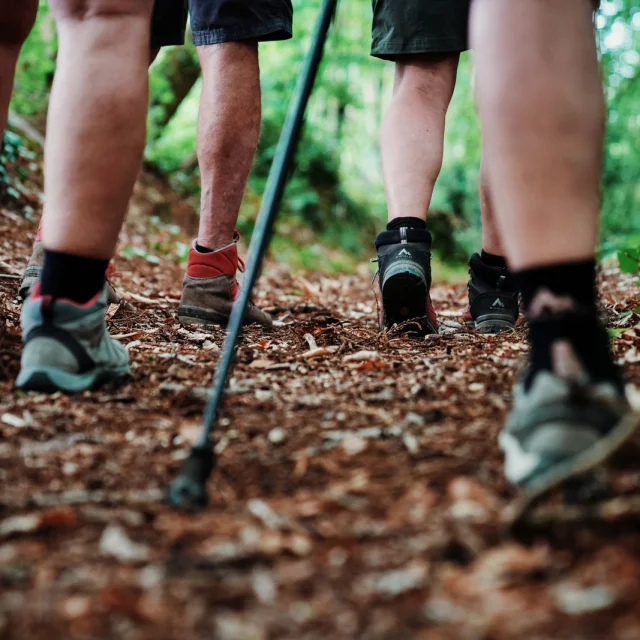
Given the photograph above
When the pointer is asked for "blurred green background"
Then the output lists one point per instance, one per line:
(335, 201)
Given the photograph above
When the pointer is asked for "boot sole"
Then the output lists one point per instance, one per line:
(193, 315)
(51, 380)
(493, 324)
(573, 467)
(404, 297)
(206, 318)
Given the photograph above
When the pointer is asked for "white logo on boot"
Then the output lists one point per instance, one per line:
(404, 252)
(497, 304)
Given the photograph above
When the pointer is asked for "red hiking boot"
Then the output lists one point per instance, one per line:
(210, 288)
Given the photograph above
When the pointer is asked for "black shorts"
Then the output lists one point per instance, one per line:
(406, 27)
(217, 21)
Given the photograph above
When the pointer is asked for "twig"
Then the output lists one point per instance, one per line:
(143, 299)
(311, 341)
(25, 128)
(609, 511)
(8, 267)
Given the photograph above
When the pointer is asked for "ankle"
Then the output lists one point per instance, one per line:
(572, 344)
(558, 287)
(493, 260)
(566, 335)
(207, 243)
(409, 222)
(71, 277)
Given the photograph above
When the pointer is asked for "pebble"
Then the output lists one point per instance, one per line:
(353, 445)
(576, 601)
(116, 543)
(277, 435)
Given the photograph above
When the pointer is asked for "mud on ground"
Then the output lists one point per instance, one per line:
(359, 488)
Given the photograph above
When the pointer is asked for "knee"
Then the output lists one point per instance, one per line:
(429, 76)
(16, 21)
(80, 10)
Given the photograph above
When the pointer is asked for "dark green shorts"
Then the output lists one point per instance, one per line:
(405, 27)
(218, 21)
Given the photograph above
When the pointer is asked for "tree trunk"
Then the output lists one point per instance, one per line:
(181, 70)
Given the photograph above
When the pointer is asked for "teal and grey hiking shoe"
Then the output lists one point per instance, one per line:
(67, 346)
(562, 427)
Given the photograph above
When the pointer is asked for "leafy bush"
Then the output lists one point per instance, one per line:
(12, 146)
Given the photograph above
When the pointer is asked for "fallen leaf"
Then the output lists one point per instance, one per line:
(116, 543)
(319, 352)
(261, 364)
(362, 356)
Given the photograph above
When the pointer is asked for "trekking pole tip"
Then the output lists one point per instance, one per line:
(188, 491)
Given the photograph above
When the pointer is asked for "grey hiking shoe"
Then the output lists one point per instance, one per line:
(493, 298)
(563, 426)
(33, 272)
(404, 278)
(67, 346)
(210, 289)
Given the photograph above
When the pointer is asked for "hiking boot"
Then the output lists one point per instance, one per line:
(404, 278)
(210, 288)
(493, 298)
(562, 426)
(33, 272)
(67, 346)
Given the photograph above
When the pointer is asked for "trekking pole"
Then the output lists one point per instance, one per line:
(188, 491)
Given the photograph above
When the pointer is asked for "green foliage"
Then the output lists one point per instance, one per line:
(12, 150)
(629, 260)
(629, 256)
(36, 66)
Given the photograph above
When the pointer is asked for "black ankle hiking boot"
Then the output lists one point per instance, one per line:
(493, 297)
(404, 278)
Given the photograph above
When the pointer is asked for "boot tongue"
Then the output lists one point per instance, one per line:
(223, 262)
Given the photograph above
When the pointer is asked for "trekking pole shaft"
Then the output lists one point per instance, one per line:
(271, 201)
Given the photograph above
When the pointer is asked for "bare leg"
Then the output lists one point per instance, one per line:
(228, 132)
(537, 65)
(96, 125)
(542, 109)
(412, 138)
(16, 22)
(94, 147)
(491, 241)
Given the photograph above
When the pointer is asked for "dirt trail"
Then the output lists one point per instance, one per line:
(359, 489)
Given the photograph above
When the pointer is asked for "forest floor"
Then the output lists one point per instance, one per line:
(359, 491)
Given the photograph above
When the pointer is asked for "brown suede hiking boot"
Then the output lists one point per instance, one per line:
(210, 288)
(33, 272)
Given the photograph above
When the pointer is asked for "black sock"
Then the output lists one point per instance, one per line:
(201, 249)
(409, 222)
(560, 304)
(492, 260)
(577, 280)
(72, 277)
